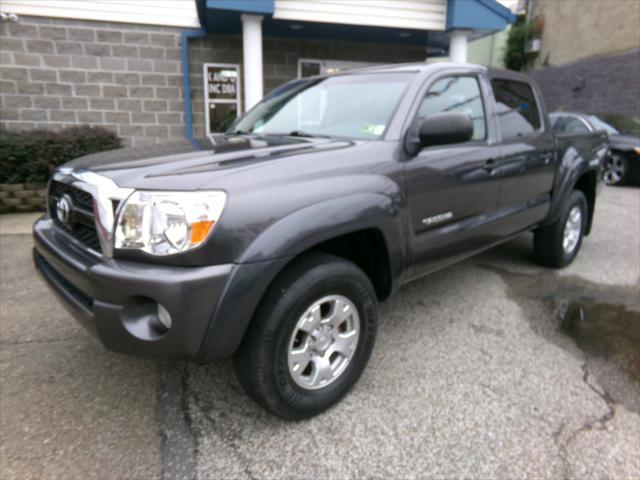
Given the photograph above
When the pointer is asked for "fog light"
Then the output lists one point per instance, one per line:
(164, 316)
(145, 319)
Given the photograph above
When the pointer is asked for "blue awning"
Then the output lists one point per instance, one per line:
(478, 15)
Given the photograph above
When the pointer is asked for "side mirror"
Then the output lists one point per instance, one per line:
(446, 128)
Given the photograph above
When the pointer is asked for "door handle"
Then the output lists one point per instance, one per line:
(490, 166)
(546, 157)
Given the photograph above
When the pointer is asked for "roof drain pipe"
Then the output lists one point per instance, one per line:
(186, 81)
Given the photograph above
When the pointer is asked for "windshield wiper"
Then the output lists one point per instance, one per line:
(298, 133)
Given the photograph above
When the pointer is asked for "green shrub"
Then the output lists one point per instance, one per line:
(31, 156)
(515, 57)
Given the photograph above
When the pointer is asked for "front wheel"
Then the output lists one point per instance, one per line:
(556, 245)
(310, 339)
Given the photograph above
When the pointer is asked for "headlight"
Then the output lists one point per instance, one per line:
(164, 223)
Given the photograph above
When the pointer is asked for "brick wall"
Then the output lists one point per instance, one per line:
(22, 197)
(56, 73)
(607, 84)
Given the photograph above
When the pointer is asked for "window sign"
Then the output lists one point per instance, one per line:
(309, 68)
(221, 96)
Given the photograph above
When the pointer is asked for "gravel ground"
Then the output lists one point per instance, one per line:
(480, 371)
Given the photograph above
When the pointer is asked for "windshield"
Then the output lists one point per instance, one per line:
(601, 125)
(351, 106)
(625, 124)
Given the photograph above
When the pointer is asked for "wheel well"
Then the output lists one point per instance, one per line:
(368, 250)
(587, 185)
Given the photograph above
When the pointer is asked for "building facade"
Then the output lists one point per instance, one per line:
(489, 49)
(169, 69)
(588, 55)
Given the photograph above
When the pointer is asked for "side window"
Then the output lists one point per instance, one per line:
(457, 94)
(516, 107)
(557, 122)
(571, 125)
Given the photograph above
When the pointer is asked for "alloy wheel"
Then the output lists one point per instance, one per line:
(572, 230)
(614, 170)
(323, 342)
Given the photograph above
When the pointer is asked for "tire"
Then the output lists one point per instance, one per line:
(551, 248)
(616, 169)
(265, 363)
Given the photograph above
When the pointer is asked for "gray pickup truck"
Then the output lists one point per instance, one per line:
(274, 242)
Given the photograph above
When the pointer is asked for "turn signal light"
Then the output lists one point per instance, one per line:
(200, 230)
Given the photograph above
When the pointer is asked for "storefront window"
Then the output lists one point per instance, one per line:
(222, 95)
(309, 68)
(221, 116)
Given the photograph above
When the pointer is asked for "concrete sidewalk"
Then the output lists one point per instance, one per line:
(18, 223)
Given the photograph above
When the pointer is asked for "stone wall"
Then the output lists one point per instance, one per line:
(55, 73)
(600, 85)
(22, 197)
(580, 29)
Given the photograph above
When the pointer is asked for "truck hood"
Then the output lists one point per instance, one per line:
(185, 165)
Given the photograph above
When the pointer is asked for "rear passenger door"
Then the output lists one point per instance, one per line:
(527, 162)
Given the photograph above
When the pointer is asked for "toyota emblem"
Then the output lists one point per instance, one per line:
(63, 209)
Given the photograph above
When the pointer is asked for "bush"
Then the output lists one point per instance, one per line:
(30, 157)
(515, 57)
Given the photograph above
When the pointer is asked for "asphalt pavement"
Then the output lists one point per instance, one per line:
(492, 368)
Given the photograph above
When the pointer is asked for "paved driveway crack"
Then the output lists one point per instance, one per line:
(179, 445)
(589, 425)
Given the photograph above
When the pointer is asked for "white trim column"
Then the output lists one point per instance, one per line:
(252, 58)
(458, 42)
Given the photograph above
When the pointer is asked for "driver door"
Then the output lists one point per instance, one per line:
(453, 191)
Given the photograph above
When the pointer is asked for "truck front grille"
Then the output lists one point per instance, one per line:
(80, 222)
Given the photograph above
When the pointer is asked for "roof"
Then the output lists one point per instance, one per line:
(338, 19)
(423, 67)
(508, 75)
(413, 67)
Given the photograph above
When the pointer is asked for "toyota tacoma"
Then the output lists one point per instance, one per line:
(273, 242)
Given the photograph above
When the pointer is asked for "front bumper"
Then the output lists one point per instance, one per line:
(116, 300)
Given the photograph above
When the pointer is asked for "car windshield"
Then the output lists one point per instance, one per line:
(602, 125)
(625, 124)
(357, 106)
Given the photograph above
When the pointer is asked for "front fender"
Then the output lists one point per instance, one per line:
(317, 223)
(274, 248)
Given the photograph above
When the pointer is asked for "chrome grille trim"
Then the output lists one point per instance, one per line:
(104, 192)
